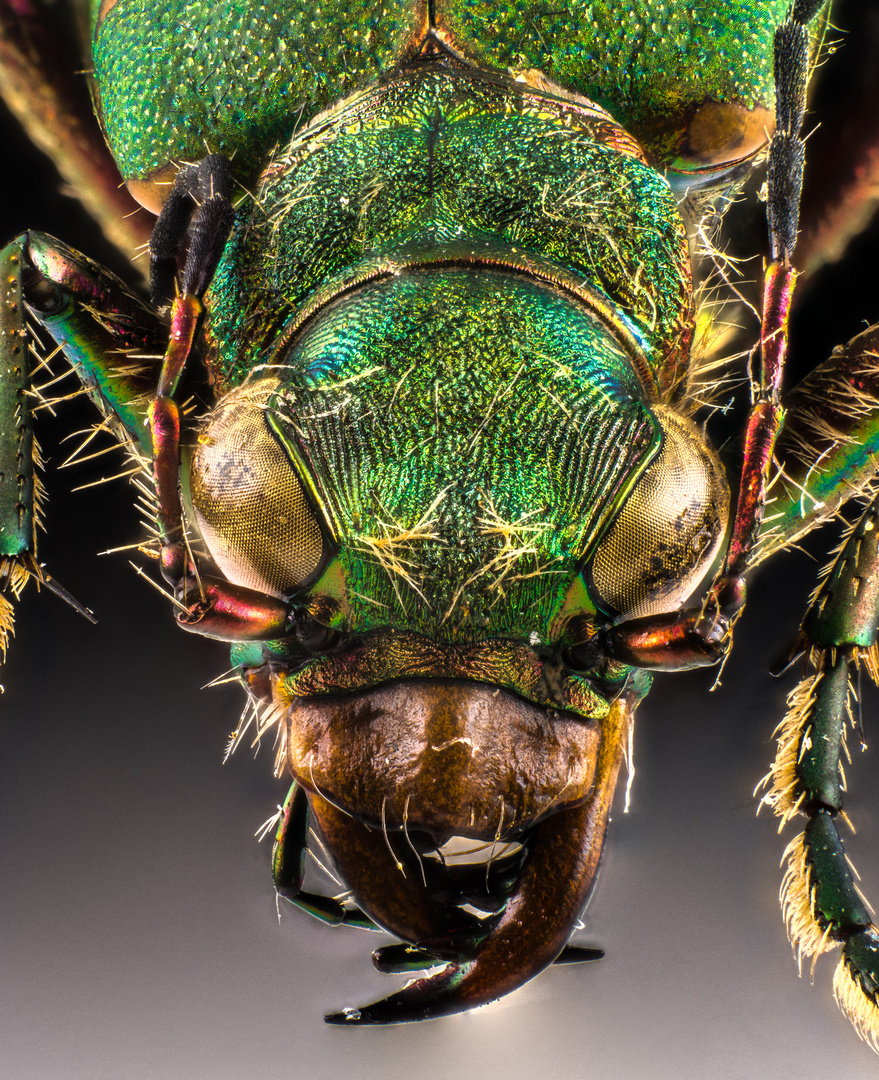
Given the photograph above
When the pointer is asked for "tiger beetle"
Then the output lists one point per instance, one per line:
(417, 408)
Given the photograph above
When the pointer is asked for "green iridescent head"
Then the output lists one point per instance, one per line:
(455, 447)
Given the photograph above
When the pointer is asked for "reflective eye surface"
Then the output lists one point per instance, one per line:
(668, 531)
(718, 138)
(249, 500)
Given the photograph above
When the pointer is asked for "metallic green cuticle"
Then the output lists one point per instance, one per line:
(389, 391)
(545, 185)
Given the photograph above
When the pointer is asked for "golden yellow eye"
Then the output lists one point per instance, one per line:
(720, 135)
(668, 531)
(249, 499)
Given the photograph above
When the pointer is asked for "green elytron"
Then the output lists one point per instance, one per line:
(421, 274)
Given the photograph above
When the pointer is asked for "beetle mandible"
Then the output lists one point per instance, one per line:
(442, 487)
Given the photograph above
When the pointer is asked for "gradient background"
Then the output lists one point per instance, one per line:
(139, 934)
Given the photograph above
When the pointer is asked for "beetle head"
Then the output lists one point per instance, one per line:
(455, 480)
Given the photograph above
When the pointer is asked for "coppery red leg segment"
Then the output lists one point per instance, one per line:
(766, 416)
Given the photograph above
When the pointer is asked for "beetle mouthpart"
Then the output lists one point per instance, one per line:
(487, 958)
(442, 757)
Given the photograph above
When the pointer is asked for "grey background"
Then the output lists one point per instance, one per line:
(139, 936)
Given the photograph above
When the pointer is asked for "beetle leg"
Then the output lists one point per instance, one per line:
(822, 906)
(112, 343)
(18, 510)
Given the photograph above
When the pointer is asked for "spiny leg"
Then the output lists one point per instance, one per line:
(822, 905)
(112, 342)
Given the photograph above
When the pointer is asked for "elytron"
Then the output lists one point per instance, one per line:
(436, 315)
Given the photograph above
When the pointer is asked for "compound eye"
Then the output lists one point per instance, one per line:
(718, 139)
(250, 499)
(722, 134)
(669, 529)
